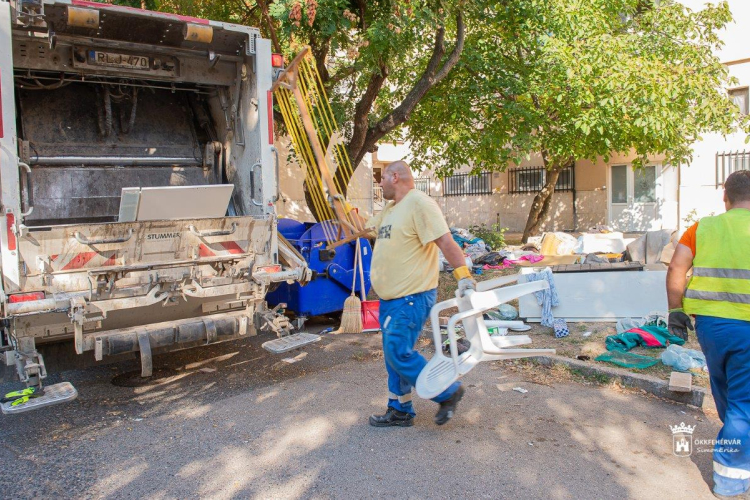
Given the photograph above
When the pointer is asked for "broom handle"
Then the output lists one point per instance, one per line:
(361, 272)
(354, 270)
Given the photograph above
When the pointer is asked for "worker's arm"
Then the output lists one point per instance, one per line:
(455, 257)
(682, 261)
(678, 322)
(453, 254)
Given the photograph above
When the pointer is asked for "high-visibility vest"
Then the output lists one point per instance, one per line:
(720, 285)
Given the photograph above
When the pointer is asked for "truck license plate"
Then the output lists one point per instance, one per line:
(119, 60)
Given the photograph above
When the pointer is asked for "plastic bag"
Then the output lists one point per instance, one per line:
(653, 318)
(682, 359)
(626, 324)
(505, 312)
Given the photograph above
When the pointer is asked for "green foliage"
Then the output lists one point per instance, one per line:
(692, 217)
(578, 80)
(394, 38)
(493, 235)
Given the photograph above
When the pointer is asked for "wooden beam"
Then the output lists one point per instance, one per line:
(367, 233)
(320, 158)
(288, 80)
(290, 72)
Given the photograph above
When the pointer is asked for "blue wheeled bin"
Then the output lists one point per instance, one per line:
(332, 284)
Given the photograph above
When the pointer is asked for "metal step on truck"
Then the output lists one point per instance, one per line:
(138, 179)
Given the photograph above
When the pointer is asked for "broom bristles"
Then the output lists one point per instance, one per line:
(351, 317)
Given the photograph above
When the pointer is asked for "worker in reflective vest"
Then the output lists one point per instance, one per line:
(718, 295)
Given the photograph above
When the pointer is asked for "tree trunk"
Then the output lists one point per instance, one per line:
(306, 187)
(541, 204)
(269, 23)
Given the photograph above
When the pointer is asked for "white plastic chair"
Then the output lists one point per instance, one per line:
(441, 371)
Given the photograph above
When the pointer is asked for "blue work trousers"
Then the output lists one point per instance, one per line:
(726, 344)
(401, 321)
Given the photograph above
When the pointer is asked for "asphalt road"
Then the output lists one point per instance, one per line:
(261, 428)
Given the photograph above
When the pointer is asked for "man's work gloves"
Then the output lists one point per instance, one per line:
(465, 281)
(679, 323)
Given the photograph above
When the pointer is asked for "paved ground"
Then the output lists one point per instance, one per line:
(257, 428)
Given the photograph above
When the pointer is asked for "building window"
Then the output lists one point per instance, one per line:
(463, 184)
(532, 179)
(740, 98)
(423, 184)
(729, 162)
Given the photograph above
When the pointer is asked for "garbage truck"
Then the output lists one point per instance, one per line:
(138, 180)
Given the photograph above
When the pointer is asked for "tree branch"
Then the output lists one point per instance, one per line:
(342, 74)
(362, 111)
(269, 23)
(434, 73)
(320, 53)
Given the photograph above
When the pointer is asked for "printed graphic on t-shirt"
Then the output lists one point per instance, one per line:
(385, 232)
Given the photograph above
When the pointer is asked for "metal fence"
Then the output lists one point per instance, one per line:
(727, 163)
(532, 179)
(465, 184)
(423, 184)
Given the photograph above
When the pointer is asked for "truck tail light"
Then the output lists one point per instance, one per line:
(270, 269)
(10, 221)
(277, 60)
(269, 98)
(25, 297)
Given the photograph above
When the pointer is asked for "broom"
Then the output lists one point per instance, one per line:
(351, 317)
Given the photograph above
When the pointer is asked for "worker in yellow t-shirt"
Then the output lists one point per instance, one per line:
(404, 273)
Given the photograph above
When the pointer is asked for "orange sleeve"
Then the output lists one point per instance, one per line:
(688, 239)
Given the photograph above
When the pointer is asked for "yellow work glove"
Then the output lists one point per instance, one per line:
(465, 280)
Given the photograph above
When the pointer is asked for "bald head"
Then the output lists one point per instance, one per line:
(401, 168)
(397, 180)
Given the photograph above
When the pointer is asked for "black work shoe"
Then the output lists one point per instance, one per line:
(448, 407)
(392, 418)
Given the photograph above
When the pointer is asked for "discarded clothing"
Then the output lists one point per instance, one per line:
(649, 247)
(510, 262)
(476, 250)
(531, 258)
(546, 298)
(492, 259)
(651, 336)
(592, 258)
(505, 265)
(462, 236)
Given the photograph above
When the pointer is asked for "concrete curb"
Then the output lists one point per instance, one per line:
(652, 385)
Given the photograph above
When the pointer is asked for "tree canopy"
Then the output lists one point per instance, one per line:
(577, 80)
(486, 83)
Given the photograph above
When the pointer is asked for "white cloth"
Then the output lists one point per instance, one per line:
(546, 298)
